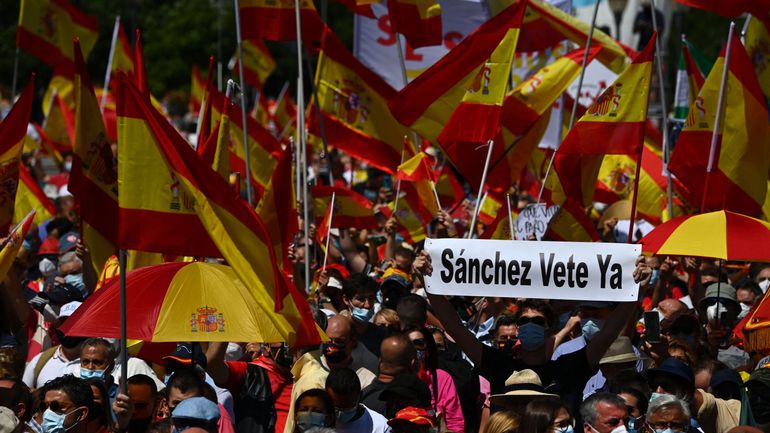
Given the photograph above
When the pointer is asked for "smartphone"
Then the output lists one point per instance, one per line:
(652, 326)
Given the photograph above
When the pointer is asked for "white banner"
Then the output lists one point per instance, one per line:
(533, 219)
(529, 269)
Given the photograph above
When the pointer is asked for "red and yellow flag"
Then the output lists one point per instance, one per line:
(500, 228)
(733, 8)
(614, 124)
(30, 197)
(275, 21)
(59, 125)
(258, 62)
(197, 89)
(360, 7)
(235, 227)
(285, 114)
(757, 42)
(353, 101)
(351, 209)
(278, 209)
(46, 29)
(140, 69)
(738, 181)
(571, 223)
(428, 102)
(13, 243)
(449, 189)
(13, 131)
(152, 200)
(416, 168)
(418, 20)
(122, 59)
(411, 214)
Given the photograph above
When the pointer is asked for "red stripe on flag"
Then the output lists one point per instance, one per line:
(471, 122)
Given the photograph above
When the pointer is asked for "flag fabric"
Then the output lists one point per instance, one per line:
(491, 203)
(427, 103)
(278, 209)
(351, 209)
(418, 20)
(13, 132)
(411, 214)
(732, 8)
(264, 149)
(449, 189)
(416, 168)
(197, 89)
(738, 181)
(59, 124)
(216, 150)
(353, 103)
(757, 42)
(689, 81)
(140, 69)
(235, 227)
(571, 223)
(13, 243)
(258, 62)
(285, 114)
(614, 124)
(46, 29)
(476, 118)
(122, 59)
(500, 227)
(29, 197)
(62, 86)
(152, 200)
(360, 7)
(275, 21)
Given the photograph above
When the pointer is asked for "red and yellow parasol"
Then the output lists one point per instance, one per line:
(721, 235)
(176, 302)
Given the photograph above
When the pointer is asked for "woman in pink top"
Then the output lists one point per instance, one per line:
(444, 396)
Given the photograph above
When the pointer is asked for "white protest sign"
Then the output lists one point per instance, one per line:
(533, 219)
(529, 269)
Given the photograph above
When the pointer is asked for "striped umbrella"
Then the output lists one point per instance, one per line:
(187, 301)
(722, 235)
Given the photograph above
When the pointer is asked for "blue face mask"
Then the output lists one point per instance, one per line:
(54, 422)
(362, 314)
(655, 395)
(654, 277)
(344, 416)
(167, 377)
(590, 327)
(86, 373)
(567, 429)
(532, 336)
(76, 281)
(306, 420)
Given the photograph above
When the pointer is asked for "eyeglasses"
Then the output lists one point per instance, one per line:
(675, 426)
(537, 320)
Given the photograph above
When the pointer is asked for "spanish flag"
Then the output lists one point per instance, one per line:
(360, 7)
(13, 132)
(757, 41)
(500, 228)
(285, 114)
(61, 85)
(411, 215)
(264, 149)
(46, 29)
(449, 189)
(351, 209)
(571, 223)
(258, 62)
(738, 181)
(30, 197)
(427, 103)
(197, 89)
(278, 209)
(614, 124)
(13, 243)
(140, 69)
(59, 125)
(353, 101)
(418, 20)
(733, 8)
(152, 200)
(235, 228)
(122, 59)
(416, 168)
(491, 203)
(275, 21)
(689, 81)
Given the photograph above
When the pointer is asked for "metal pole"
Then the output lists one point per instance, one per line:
(718, 121)
(110, 58)
(316, 106)
(15, 73)
(491, 144)
(123, 324)
(405, 78)
(398, 184)
(664, 110)
(329, 231)
(510, 216)
(745, 27)
(244, 119)
(577, 96)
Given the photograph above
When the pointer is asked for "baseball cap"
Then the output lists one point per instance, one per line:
(8, 421)
(196, 409)
(673, 367)
(68, 242)
(413, 415)
(67, 309)
(184, 354)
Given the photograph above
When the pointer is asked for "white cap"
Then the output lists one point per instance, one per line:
(333, 282)
(67, 309)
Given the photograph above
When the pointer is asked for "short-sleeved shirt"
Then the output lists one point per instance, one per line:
(281, 383)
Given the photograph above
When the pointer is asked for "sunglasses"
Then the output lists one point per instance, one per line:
(537, 320)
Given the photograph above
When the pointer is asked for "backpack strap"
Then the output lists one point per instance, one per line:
(42, 361)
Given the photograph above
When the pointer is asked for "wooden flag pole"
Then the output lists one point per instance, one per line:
(328, 231)
(123, 324)
(510, 216)
(718, 121)
(491, 144)
(15, 73)
(244, 118)
(110, 59)
(575, 104)
(664, 110)
(398, 183)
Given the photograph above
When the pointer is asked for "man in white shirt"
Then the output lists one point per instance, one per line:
(344, 388)
(55, 362)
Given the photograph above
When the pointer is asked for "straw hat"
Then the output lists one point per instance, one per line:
(524, 383)
(619, 352)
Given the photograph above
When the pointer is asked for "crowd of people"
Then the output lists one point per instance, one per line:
(397, 358)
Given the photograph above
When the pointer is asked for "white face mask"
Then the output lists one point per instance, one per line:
(764, 284)
(744, 310)
(619, 429)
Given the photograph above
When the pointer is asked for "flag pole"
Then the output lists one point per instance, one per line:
(50, 107)
(491, 144)
(435, 193)
(718, 121)
(110, 59)
(510, 216)
(244, 119)
(745, 27)
(15, 73)
(664, 111)
(398, 182)
(123, 324)
(329, 231)
(575, 104)
(636, 196)
(405, 79)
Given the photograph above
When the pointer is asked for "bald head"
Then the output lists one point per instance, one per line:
(397, 355)
(339, 327)
(744, 429)
(668, 307)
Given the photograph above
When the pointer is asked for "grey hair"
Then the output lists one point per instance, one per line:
(70, 256)
(98, 341)
(668, 401)
(588, 408)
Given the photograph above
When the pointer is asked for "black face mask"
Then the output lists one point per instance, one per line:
(506, 346)
(139, 425)
(333, 352)
(466, 310)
